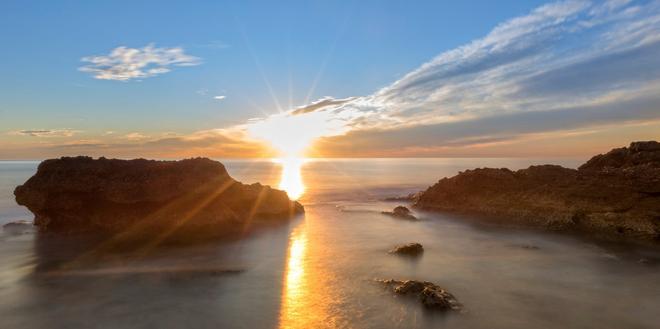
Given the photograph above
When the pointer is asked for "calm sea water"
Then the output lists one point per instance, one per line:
(317, 271)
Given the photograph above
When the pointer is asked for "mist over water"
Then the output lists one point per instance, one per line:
(317, 271)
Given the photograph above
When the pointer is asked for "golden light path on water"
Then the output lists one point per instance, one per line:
(306, 294)
(291, 178)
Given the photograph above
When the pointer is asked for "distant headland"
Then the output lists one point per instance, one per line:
(613, 194)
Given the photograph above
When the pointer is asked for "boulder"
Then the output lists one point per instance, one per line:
(192, 197)
(613, 194)
(429, 294)
(401, 212)
(410, 249)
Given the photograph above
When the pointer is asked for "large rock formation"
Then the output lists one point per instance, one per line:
(145, 198)
(616, 193)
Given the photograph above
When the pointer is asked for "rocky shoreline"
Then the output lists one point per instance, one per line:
(190, 199)
(616, 194)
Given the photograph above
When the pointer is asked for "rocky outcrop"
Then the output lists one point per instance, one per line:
(410, 249)
(617, 193)
(193, 197)
(429, 294)
(400, 212)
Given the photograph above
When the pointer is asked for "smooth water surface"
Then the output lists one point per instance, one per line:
(318, 270)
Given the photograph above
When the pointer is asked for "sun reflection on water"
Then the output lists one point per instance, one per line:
(295, 283)
(291, 179)
(305, 295)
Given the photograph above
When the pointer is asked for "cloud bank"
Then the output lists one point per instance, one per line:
(123, 63)
(45, 132)
(565, 65)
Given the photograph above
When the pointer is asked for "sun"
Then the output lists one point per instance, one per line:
(292, 135)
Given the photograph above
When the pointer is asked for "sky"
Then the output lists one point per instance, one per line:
(327, 78)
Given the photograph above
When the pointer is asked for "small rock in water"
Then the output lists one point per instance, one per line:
(19, 227)
(400, 212)
(526, 246)
(410, 249)
(429, 294)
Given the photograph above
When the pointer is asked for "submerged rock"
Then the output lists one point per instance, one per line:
(193, 197)
(617, 193)
(400, 212)
(410, 249)
(428, 293)
(18, 227)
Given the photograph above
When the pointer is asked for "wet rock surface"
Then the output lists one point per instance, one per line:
(429, 294)
(400, 212)
(192, 198)
(616, 194)
(410, 249)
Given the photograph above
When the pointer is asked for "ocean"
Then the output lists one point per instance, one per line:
(319, 270)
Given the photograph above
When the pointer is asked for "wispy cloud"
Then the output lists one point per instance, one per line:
(125, 63)
(219, 97)
(221, 143)
(569, 59)
(45, 132)
(135, 136)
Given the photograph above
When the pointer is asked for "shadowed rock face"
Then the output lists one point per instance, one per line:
(194, 197)
(617, 193)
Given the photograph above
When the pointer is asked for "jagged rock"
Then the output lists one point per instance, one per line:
(193, 197)
(617, 193)
(412, 197)
(410, 249)
(428, 293)
(400, 212)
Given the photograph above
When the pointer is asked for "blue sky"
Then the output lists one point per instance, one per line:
(266, 57)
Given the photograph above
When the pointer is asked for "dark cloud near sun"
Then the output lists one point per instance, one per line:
(323, 103)
(45, 132)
